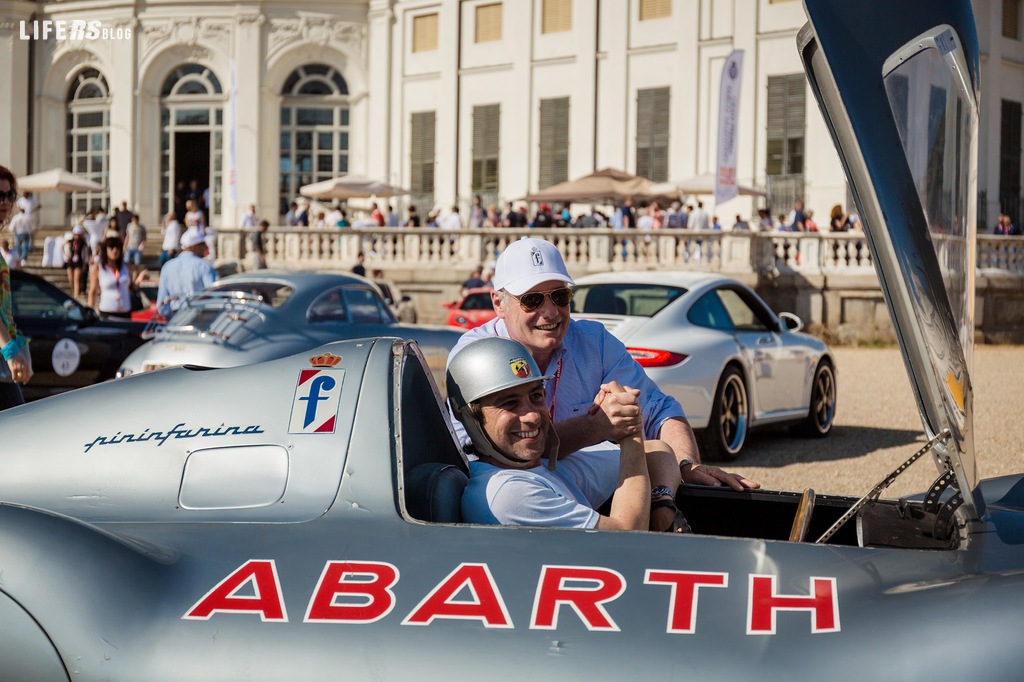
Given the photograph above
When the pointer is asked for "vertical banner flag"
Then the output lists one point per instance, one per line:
(726, 184)
(232, 159)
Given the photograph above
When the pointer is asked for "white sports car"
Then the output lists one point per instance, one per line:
(711, 342)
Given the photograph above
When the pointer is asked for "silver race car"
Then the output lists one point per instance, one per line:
(299, 519)
(266, 314)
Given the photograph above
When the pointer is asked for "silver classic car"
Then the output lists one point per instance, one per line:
(299, 519)
(266, 314)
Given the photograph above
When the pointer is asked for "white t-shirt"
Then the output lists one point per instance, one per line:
(172, 235)
(563, 498)
(29, 205)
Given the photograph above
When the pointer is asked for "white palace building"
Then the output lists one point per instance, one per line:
(449, 98)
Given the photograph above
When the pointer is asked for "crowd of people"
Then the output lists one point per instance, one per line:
(630, 214)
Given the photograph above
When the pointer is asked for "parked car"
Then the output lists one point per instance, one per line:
(713, 344)
(299, 519)
(71, 346)
(401, 304)
(261, 315)
(472, 309)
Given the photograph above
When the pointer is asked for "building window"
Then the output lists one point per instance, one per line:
(785, 135)
(88, 138)
(421, 160)
(1011, 19)
(191, 141)
(486, 129)
(488, 22)
(652, 134)
(554, 141)
(314, 129)
(556, 16)
(424, 33)
(655, 9)
(1010, 155)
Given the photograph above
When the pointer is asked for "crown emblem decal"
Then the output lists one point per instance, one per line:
(325, 360)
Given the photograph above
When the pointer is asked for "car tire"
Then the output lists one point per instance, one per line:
(726, 433)
(821, 413)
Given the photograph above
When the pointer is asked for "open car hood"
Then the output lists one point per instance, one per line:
(897, 83)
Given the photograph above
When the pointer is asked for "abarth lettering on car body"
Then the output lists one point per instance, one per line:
(361, 592)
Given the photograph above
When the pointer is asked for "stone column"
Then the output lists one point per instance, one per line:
(15, 89)
(380, 18)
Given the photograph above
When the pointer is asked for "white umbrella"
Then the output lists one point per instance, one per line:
(698, 184)
(350, 187)
(57, 180)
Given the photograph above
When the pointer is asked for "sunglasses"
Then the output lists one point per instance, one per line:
(9, 195)
(532, 300)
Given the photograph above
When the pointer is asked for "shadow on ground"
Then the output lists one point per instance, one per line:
(776, 446)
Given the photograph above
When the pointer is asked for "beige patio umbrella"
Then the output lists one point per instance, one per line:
(698, 184)
(350, 187)
(606, 185)
(57, 180)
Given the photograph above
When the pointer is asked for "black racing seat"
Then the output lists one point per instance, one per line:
(433, 492)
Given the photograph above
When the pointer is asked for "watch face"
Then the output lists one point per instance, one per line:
(660, 490)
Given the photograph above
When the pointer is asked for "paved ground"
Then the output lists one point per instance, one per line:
(878, 427)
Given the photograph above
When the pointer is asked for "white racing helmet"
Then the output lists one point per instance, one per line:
(484, 367)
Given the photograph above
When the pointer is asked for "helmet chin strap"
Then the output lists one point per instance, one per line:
(484, 446)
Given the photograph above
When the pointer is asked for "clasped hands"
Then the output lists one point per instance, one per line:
(616, 412)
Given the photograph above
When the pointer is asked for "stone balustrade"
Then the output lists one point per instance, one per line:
(584, 250)
(828, 279)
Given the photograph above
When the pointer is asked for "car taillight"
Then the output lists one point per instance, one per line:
(648, 357)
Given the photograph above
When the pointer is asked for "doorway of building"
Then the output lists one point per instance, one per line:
(191, 170)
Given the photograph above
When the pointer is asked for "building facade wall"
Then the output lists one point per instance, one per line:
(600, 63)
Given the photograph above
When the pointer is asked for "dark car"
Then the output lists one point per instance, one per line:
(71, 347)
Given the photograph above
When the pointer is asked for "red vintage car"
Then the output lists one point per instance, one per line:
(472, 310)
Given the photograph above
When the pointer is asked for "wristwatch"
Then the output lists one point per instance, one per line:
(685, 464)
(660, 491)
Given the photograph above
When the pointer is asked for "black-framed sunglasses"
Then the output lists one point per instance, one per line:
(532, 300)
(10, 195)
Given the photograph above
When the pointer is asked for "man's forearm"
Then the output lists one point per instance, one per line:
(631, 505)
(678, 434)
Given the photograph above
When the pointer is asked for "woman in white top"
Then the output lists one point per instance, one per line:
(112, 281)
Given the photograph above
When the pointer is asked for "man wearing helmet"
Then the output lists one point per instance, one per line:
(531, 297)
(496, 391)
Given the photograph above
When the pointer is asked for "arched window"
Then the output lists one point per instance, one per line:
(191, 140)
(88, 138)
(314, 128)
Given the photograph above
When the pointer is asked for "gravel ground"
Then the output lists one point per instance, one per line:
(878, 427)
